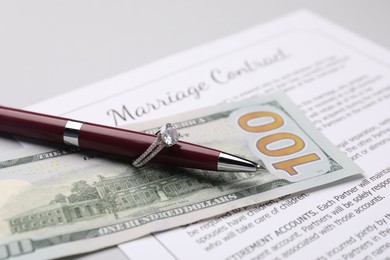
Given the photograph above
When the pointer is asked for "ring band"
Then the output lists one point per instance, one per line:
(166, 137)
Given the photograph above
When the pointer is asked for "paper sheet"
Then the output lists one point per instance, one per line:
(338, 79)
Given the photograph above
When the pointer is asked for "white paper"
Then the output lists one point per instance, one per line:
(339, 80)
(346, 94)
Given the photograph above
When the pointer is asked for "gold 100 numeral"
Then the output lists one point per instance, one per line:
(263, 143)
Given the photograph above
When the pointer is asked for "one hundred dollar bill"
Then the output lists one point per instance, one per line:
(66, 202)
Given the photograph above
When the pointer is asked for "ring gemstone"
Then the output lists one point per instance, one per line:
(169, 135)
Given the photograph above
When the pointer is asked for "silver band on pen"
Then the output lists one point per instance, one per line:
(72, 131)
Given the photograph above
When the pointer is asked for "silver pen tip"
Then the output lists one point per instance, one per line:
(232, 163)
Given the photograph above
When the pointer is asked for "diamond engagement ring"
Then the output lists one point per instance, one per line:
(167, 136)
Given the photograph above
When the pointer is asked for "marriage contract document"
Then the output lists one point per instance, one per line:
(338, 79)
(342, 83)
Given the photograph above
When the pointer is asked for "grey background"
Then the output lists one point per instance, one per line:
(49, 47)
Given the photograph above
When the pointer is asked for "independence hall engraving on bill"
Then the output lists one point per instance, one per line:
(125, 191)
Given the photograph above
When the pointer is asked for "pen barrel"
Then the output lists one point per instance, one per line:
(32, 125)
(132, 144)
(105, 139)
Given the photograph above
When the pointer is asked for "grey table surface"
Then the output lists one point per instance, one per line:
(51, 47)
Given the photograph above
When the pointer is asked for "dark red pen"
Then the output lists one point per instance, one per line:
(118, 141)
